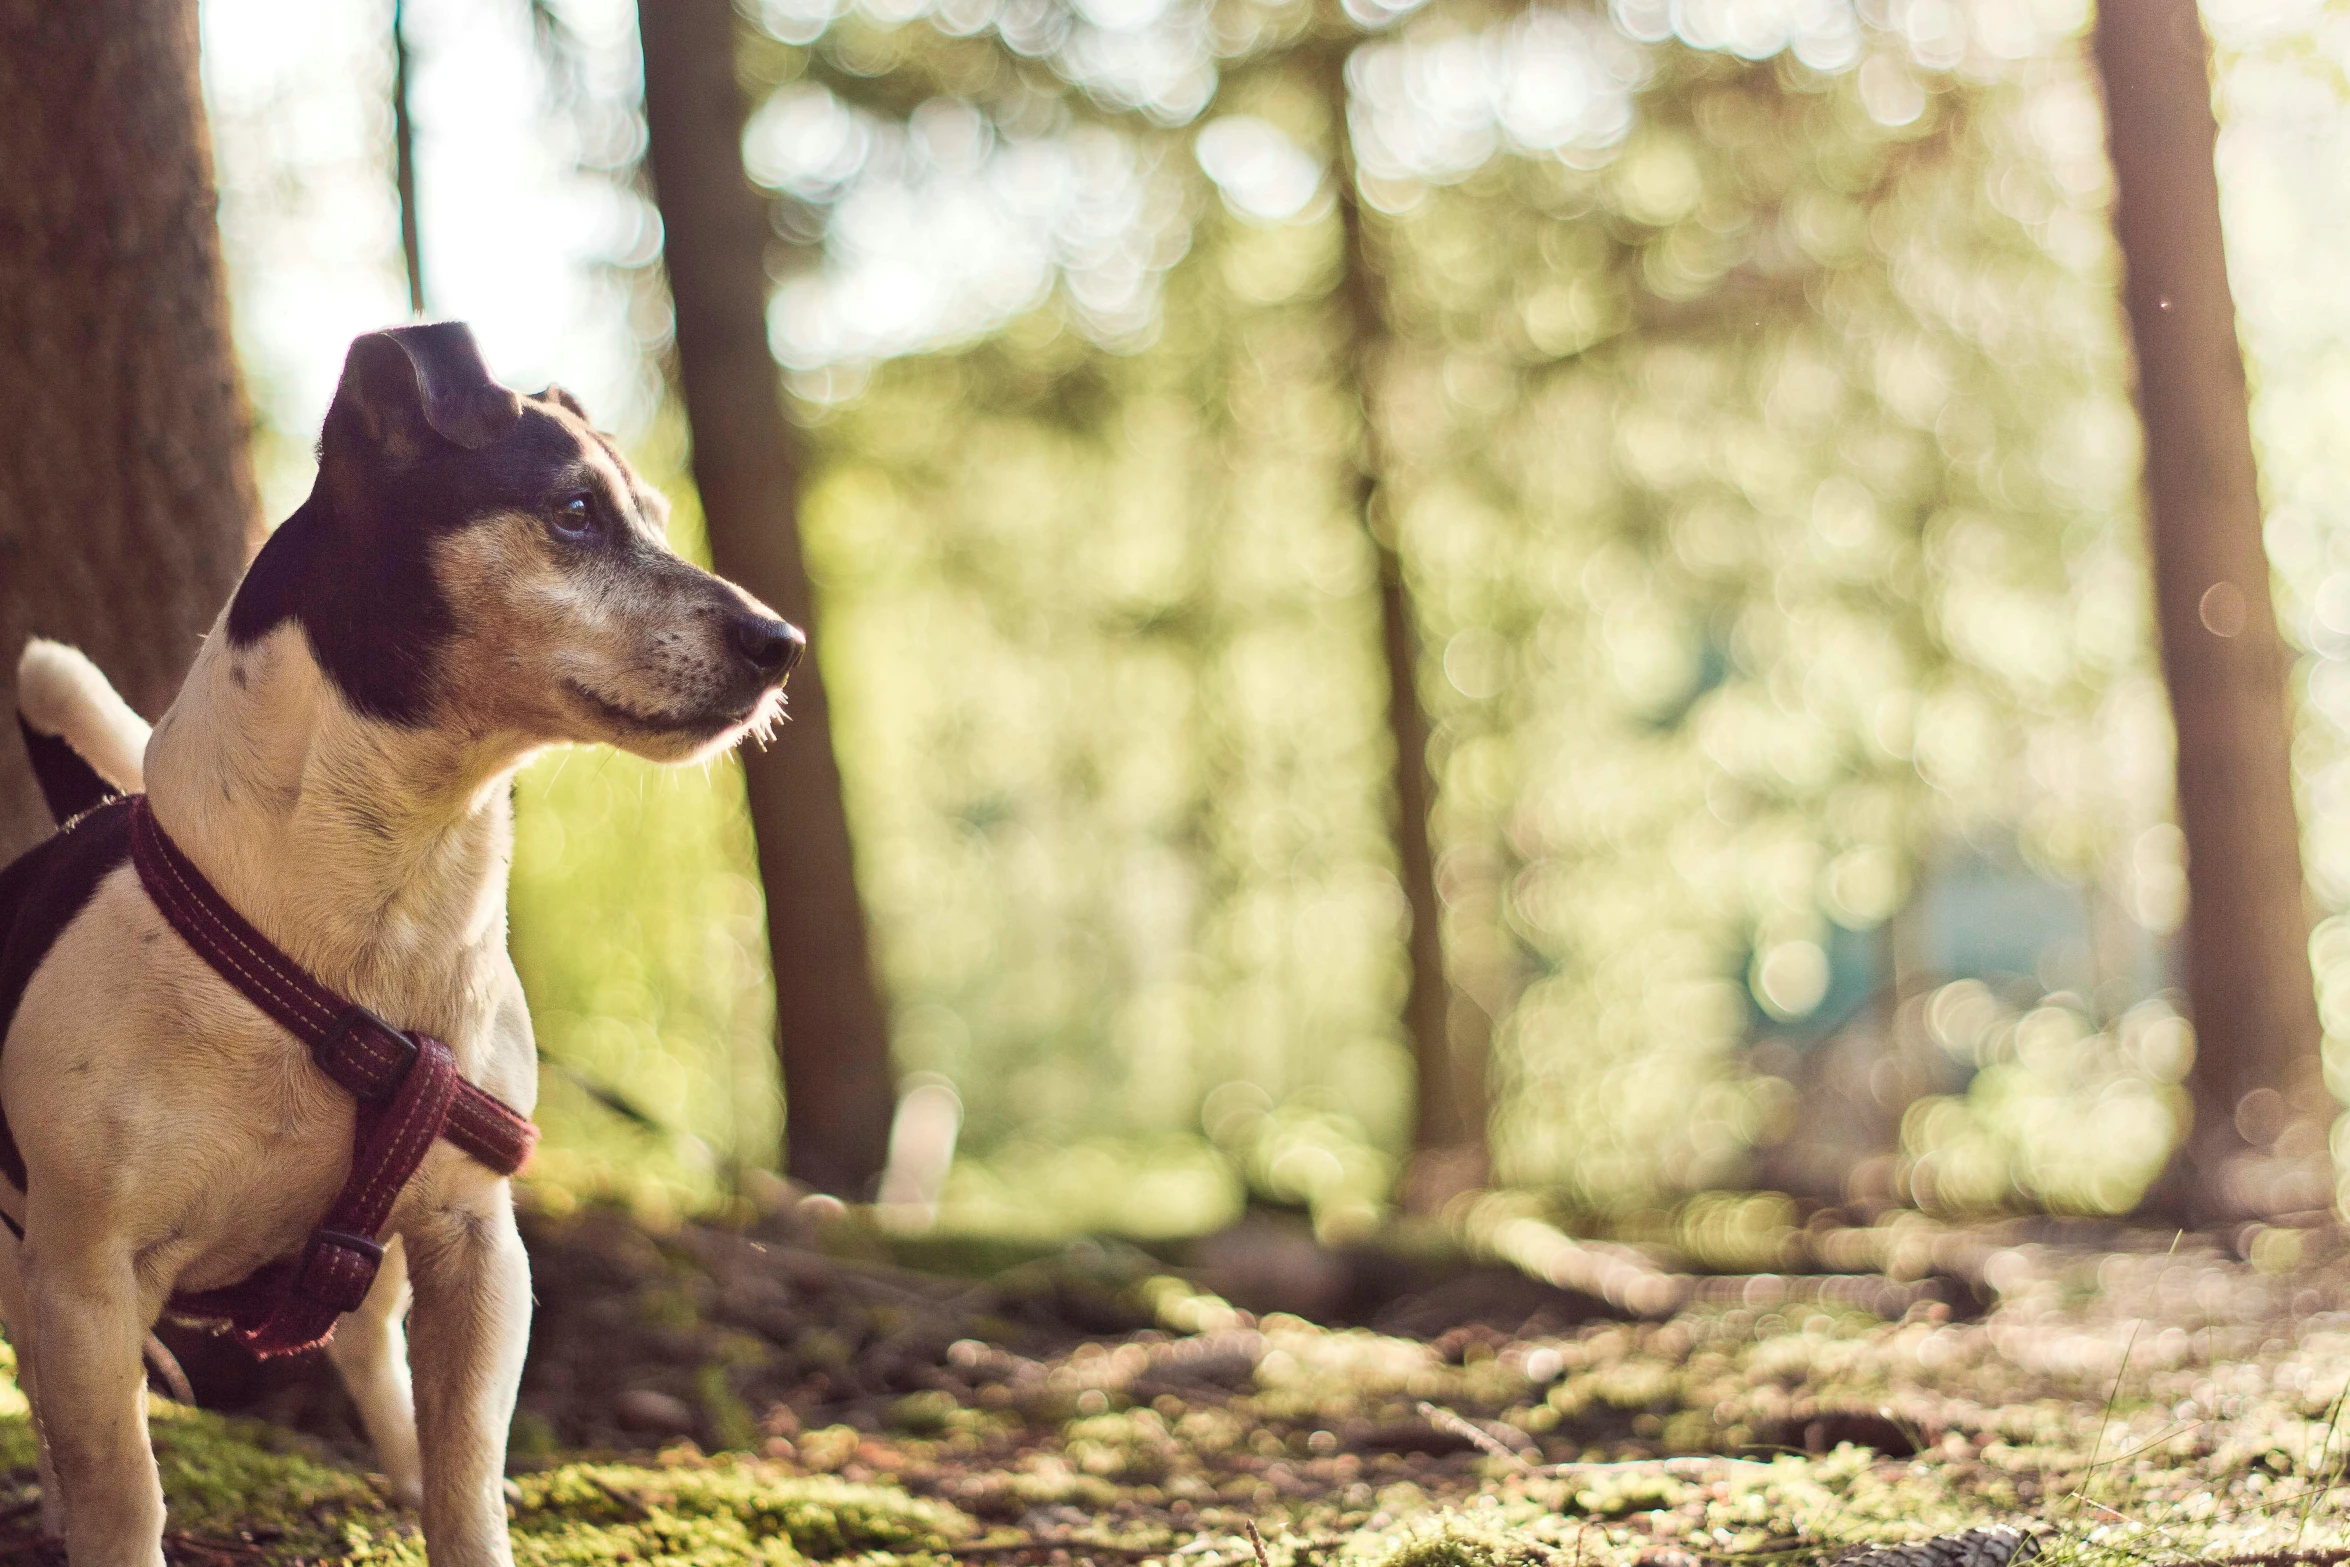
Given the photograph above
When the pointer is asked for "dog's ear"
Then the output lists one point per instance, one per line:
(406, 388)
(564, 400)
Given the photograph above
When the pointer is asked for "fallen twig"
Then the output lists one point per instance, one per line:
(1492, 1446)
(1472, 1433)
(166, 1367)
(632, 1506)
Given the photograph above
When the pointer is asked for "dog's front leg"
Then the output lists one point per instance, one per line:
(19, 1314)
(371, 1351)
(89, 1320)
(467, 1332)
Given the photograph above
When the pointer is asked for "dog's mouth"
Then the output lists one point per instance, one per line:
(700, 724)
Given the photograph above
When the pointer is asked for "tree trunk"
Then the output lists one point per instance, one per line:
(832, 1034)
(127, 502)
(2261, 1109)
(404, 159)
(1448, 1125)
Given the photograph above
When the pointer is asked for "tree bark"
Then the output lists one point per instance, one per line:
(2261, 1108)
(127, 503)
(1448, 1124)
(832, 1033)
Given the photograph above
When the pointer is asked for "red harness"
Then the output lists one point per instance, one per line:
(407, 1085)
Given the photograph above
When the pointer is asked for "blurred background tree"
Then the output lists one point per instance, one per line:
(1710, 420)
(2261, 1118)
(832, 1038)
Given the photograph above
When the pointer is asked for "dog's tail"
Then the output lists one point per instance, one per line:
(86, 743)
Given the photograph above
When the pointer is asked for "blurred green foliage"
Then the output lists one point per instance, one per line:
(1763, 470)
(1761, 596)
(1764, 483)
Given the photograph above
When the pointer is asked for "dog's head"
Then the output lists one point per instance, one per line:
(484, 562)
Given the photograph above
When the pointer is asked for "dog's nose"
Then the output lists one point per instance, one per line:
(772, 646)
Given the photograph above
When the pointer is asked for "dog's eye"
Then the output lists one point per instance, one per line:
(575, 517)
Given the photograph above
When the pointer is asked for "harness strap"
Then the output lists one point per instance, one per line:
(408, 1087)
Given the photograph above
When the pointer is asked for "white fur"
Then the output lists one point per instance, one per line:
(175, 1138)
(61, 693)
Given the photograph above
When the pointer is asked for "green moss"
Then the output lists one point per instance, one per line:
(226, 1478)
(1453, 1543)
(814, 1516)
(389, 1546)
(220, 1474)
(665, 1538)
(722, 1514)
(242, 1480)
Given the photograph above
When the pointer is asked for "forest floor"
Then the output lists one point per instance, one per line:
(768, 1394)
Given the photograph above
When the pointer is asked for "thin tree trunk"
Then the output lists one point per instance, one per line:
(1448, 1126)
(404, 159)
(127, 501)
(832, 1033)
(2261, 1109)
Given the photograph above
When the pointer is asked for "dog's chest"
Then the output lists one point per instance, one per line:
(172, 1111)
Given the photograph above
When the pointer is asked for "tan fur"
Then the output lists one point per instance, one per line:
(539, 651)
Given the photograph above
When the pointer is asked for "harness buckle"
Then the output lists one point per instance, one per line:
(337, 1268)
(365, 1054)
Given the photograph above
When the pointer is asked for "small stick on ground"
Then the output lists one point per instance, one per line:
(1493, 1447)
(167, 1370)
(1472, 1433)
(1256, 1542)
(632, 1506)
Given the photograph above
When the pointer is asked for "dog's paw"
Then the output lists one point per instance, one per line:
(404, 1491)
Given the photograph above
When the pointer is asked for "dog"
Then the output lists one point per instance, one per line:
(476, 576)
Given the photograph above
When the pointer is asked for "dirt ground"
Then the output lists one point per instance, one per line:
(786, 1392)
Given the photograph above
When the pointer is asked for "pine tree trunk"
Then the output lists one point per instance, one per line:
(1448, 1124)
(832, 1034)
(127, 502)
(2261, 1109)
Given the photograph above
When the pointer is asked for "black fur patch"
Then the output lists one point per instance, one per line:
(354, 564)
(41, 894)
(375, 617)
(69, 784)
